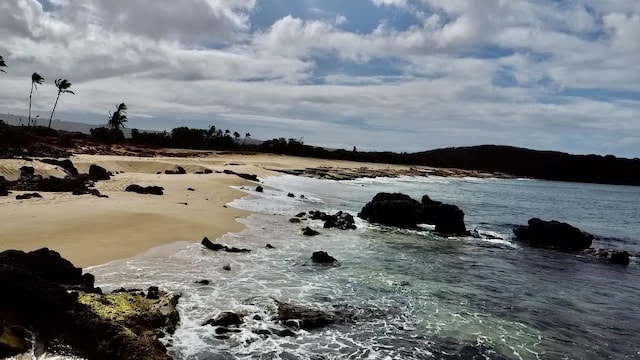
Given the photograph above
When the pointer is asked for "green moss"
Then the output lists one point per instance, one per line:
(117, 307)
(13, 341)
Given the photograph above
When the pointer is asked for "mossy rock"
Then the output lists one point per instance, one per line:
(13, 341)
(134, 310)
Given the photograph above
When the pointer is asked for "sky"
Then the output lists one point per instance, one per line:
(400, 75)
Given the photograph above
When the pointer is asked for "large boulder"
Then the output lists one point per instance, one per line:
(447, 218)
(553, 234)
(401, 210)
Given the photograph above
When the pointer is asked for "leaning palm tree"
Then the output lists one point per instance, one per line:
(63, 87)
(2, 63)
(118, 118)
(36, 79)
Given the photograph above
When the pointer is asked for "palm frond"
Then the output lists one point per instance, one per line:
(2, 63)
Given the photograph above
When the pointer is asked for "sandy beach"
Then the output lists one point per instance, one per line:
(89, 230)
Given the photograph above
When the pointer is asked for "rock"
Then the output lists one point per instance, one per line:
(291, 195)
(179, 171)
(284, 333)
(28, 196)
(226, 318)
(153, 293)
(203, 282)
(323, 258)
(4, 186)
(212, 246)
(294, 220)
(620, 257)
(301, 214)
(227, 267)
(259, 189)
(66, 164)
(97, 172)
(250, 177)
(34, 296)
(302, 317)
(191, 189)
(553, 234)
(217, 247)
(14, 340)
(447, 218)
(340, 220)
(402, 211)
(152, 190)
(307, 231)
(269, 246)
(393, 209)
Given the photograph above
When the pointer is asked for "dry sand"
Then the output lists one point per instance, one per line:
(89, 230)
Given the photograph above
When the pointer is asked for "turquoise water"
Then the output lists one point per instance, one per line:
(412, 290)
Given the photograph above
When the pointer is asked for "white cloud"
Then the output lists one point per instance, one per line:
(466, 72)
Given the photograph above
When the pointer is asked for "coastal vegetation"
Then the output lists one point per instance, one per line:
(63, 86)
(36, 80)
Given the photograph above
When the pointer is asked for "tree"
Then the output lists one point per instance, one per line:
(118, 118)
(36, 80)
(2, 64)
(236, 135)
(63, 87)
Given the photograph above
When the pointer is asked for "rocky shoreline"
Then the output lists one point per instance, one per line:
(50, 306)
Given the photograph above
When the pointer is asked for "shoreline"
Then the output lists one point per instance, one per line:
(91, 231)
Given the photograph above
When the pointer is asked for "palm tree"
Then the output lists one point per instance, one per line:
(236, 135)
(2, 63)
(246, 136)
(36, 80)
(118, 118)
(63, 87)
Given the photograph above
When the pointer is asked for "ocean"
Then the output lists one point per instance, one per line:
(417, 295)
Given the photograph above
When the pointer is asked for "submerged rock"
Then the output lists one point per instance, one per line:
(226, 318)
(553, 234)
(307, 318)
(619, 257)
(307, 231)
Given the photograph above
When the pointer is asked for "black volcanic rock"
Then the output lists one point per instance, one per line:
(323, 258)
(396, 209)
(307, 231)
(28, 196)
(97, 172)
(66, 164)
(226, 318)
(153, 190)
(553, 234)
(178, 171)
(34, 296)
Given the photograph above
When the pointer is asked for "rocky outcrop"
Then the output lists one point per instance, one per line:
(564, 237)
(178, 171)
(219, 247)
(66, 164)
(250, 177)
(152, 190)
(45, 295)
(307, 231)
(28, 196)
(226, 318)
(308, 318)
(323, 258)
(620, 257)
(340, 220)
(396, 209)
(553, 234)
(97, 173)
(4, 186)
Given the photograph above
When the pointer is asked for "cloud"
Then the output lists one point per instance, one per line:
(384, 74)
